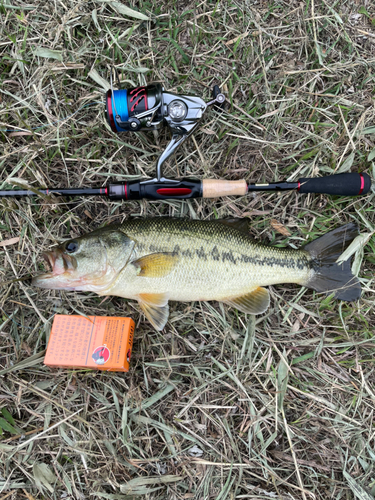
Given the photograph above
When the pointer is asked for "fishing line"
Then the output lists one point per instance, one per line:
(119, 101)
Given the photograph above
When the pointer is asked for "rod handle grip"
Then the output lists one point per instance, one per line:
(351, 184)
(213, 188)
(182, 189)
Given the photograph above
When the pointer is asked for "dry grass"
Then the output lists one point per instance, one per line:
(219, 405)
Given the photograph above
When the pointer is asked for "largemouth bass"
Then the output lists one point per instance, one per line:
(157, 260)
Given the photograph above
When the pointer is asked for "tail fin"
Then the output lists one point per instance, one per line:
(331, 277)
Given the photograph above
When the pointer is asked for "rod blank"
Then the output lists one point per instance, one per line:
(47, 191)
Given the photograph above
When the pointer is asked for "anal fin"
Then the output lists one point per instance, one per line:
(254, 302)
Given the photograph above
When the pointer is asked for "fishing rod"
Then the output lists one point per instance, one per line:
(350, 184)
(151, 107)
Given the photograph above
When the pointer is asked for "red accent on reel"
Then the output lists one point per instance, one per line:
(137, 91)
(142, 93)
(110, 111)
(137, 102)
(362, 184)
(173, 191)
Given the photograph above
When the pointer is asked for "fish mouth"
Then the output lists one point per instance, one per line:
(62, 266)
(65, 275)
(59, 262)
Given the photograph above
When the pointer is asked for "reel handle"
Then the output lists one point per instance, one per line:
(351, 184)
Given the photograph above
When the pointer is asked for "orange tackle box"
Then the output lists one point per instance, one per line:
(96, 342)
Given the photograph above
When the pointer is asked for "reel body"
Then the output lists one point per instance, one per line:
(151, 107)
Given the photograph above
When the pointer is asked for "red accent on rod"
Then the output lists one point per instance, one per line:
(362, 183)
(126, 190)
(299, 185)
(106, 191)
(173, 191)
(110, 111)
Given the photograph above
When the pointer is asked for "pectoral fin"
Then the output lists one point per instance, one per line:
(254, 302)
(157, 316)
(156, 265)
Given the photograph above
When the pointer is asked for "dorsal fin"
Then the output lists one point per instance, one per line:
(236, 223)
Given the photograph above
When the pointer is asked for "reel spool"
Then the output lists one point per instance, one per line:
(151, 107)
(134, 109)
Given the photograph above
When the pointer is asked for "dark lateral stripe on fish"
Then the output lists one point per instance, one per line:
(290, 263)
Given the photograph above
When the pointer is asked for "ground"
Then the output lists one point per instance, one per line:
(219, 405)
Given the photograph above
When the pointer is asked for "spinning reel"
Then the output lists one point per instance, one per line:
(151, 107)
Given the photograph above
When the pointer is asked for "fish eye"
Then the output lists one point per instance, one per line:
(71, 247)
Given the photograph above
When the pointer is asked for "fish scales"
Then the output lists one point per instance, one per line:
(215, 261)
(157, 260)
